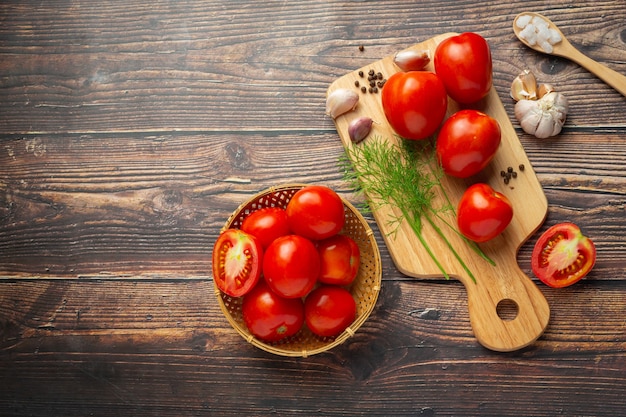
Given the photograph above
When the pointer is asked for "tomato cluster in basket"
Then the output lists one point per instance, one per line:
(291, 266)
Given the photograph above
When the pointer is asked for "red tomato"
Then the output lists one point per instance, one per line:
(483, 213)
(270, 317)
(464, 64)
(291, 266)
(467, 142)
(315, 212)
(340, 259)
(414, 103)
(563, 255)
(266, 224)
(237, 258)
(329, 310)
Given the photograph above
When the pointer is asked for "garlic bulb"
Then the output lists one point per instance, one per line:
(544, 117)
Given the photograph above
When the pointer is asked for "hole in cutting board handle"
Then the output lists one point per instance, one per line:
(507, 309)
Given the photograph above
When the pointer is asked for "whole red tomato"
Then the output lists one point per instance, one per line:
(291, 266)
(270, 317)
(464, 64)
(563, 255)
(266, 224)
(414, 103)
(329, 310)
(237, 258)
(483, 213)
(467, 142)
(340, 259)
(315, 212)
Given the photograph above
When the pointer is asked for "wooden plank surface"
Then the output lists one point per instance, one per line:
(130, 131)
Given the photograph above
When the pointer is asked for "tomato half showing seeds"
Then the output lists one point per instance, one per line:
(467, 142)
(414, 103)
(340, 260)
(563, 255)
(483, 213)
(291, 266)
(329, 310)
(266, 224)
(315, 212)
(464, 64)
(270, 317)
(237, 258)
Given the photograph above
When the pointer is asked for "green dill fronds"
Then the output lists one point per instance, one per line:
(404, 175)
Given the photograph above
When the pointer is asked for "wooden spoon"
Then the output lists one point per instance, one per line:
(566, 50)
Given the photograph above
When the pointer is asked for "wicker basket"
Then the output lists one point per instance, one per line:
(364, 289)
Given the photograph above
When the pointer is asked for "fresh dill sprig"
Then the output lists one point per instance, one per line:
(403, 175)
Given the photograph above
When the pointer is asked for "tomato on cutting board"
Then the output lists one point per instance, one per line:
(237, 258)
(467, 142)
(463, 62)
(483, 213)
(563, 255)
(414, 103)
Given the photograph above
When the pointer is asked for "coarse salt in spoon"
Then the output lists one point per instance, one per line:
(539, 33)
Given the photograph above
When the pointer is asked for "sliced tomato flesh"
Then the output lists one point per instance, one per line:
(563, 255)
(237, 258)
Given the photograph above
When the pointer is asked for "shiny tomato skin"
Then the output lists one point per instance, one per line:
(329, 310)
(270, 317)
(483, 213)
(563, 255)
(315, 212)
(291, 266)
(340, 260)
(266, 224)
(414, 103)
(467, 142)
(237, 258)
(464, 64)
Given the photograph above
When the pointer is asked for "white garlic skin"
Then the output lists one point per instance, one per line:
(542, 118)
(410, 60)
(341, 101)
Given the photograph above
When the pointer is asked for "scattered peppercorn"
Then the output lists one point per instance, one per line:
(361, 48)
(364, 89)
(356, 83)
(361, 74)
(521, 167)
(509, 169)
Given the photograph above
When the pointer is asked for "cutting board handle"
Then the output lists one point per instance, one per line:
(507, 310)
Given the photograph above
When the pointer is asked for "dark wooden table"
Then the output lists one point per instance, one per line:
(129, 131)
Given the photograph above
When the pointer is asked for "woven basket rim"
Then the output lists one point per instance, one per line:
(346, 334)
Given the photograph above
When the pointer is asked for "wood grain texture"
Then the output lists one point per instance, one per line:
(130, 131)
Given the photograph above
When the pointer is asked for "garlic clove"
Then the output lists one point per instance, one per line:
(411, 60)
(524, 86)
(341, 101)
(359, 129)
(544, 89)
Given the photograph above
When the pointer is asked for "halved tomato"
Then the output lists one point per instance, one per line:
(563, 255)
(237, 258)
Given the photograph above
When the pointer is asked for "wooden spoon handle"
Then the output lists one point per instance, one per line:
(606, 74)
(507, 313)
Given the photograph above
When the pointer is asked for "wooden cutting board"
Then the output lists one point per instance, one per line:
(507, 310)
